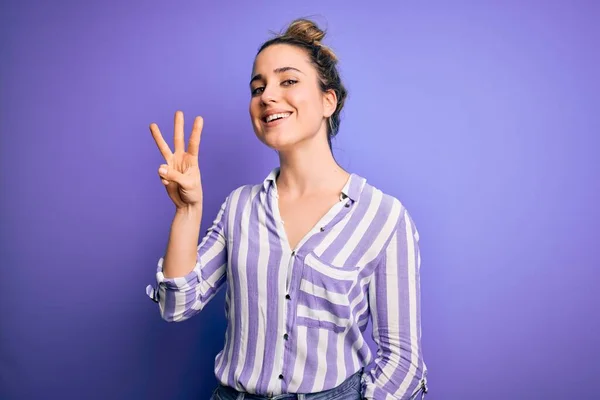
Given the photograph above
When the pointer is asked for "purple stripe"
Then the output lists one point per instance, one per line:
(252, 299)
(275, 255)
(315, 323)
(351, 337)
(331, 361)
(340, 242)
(416, 251)
(210, 267)
(363, 352)
(354, 189)
(290, 363)
(403, 306)
(228, 334)
(169, 307)
(237, 293)
(318, 303)
(310, 368)
(375, 226)
(204, 299)
(326, 282)
(382, 307)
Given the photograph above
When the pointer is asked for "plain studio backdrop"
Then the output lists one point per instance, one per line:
(481, 117)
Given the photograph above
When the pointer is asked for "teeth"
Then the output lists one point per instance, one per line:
(277, 116)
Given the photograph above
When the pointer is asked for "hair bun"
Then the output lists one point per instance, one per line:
(306, 31)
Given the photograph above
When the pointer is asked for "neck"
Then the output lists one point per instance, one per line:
(309, 169)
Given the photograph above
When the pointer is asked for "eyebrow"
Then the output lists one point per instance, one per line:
(280, 70)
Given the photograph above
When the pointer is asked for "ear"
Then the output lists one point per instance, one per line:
(329, 103)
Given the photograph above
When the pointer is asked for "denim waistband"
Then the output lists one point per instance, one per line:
(353, 380)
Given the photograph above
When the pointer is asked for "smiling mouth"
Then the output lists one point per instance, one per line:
(276, 117)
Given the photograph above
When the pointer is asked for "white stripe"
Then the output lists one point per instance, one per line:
(347, 274)
(242, 272)
(384, 233)
(263, 297)
(335, 298)
(358, 343)
(321, 315)
(275, 383)
(373, 306)
(321, 361)
(221, 355)
(391, 273)
(202, 260)
(231, 223)
(361, 228)
(211, 281)
(333, 233)
(216, 247)
(341, 365)
(301, 353)
(412, 302)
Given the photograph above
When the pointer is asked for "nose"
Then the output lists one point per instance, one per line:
(270, 94)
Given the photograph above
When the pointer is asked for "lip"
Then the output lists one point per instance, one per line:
(276, 122)
(272, 111)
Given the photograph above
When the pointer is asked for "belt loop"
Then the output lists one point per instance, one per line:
(300, 396)
(241, 396)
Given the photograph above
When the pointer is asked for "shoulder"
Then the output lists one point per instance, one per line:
(248, 192)
(242, 194)
(388, 206)
(381, 201)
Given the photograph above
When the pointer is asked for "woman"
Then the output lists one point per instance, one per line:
(308, 255)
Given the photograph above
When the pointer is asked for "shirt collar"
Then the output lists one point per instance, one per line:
(352, 189)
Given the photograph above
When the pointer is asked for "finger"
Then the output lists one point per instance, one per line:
(163, 147)
(170, 174)
(179, 142)
(194, 142)
(165, 182)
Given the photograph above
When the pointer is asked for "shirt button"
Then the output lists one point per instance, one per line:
(347, 205)
(285, 336)
(287, 296)
(280, 376)
(322, 229)
(293, 253)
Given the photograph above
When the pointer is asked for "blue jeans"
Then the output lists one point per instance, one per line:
(350, 389)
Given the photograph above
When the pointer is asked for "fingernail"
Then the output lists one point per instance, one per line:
(162, 170)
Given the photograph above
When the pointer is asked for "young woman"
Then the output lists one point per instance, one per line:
(308, 255)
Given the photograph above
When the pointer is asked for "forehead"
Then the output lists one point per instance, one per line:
(281, 55)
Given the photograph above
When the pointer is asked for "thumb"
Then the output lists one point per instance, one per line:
(170, 174)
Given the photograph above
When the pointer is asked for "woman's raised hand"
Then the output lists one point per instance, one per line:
(181, 174)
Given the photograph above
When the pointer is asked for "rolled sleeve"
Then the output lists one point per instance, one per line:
(399, 371)
(179, 284)
(182, 297)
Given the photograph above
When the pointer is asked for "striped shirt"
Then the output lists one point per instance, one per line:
(296, 317)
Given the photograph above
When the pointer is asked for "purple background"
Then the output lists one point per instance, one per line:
(482, 119)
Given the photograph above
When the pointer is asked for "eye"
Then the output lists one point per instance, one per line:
(257, 91)
(289, 82)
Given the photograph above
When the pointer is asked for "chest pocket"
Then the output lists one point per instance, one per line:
(324, 294)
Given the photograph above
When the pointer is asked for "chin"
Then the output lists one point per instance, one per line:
(278, 139)
(278, 142)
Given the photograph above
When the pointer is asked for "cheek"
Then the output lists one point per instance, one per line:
(254, 108)
(307, 103)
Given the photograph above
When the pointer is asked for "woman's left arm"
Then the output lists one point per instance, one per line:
(394, 300)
